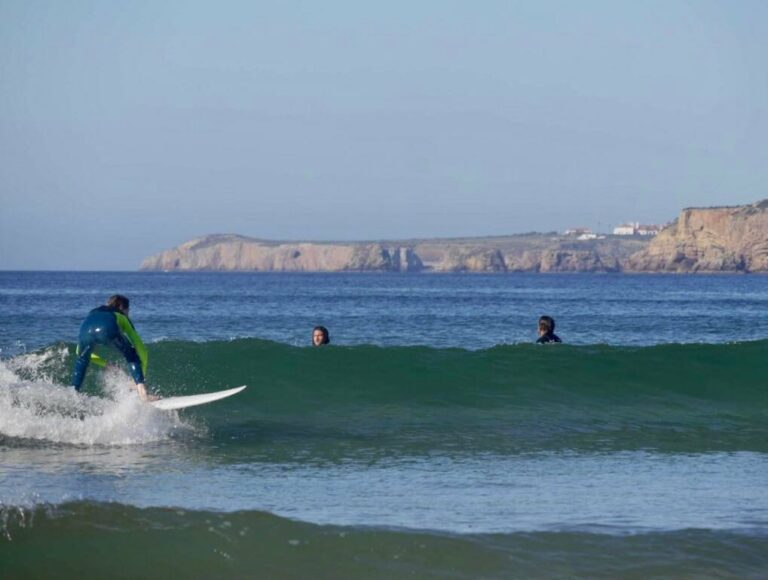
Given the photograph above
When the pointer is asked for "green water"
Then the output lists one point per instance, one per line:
(107, 540)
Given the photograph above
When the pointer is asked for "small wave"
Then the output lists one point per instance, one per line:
(250, 544)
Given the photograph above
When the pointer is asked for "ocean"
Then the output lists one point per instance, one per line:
(431, 439)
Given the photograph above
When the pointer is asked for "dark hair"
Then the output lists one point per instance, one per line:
(119, 302)
(324, 330)
(547, 324)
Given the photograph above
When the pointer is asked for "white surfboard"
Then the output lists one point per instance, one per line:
(172, 403)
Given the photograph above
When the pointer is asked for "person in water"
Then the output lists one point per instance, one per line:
(547, 331)
(110, 325)
(320, 336)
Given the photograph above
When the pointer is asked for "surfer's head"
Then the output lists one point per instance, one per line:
(119, 303)
(546, 325)
(320, 336)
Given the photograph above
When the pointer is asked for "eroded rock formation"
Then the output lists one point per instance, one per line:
(718, 239)
(528, 253)
(726, 239)
(239, 253)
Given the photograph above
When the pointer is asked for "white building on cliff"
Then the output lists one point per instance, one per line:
(636, 229)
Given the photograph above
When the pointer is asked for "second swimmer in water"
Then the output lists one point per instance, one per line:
(547, 331)
(320, 336)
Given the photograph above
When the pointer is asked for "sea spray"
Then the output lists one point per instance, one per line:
(43, 410)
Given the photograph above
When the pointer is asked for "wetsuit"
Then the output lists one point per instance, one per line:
(106, 325)
(547, 338)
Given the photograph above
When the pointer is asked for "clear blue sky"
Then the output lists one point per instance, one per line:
(127, 128)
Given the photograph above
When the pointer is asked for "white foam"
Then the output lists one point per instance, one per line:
(34, 407)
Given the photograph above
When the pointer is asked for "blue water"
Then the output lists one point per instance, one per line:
(464, 311)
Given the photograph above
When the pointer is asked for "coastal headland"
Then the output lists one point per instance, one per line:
(703, 240)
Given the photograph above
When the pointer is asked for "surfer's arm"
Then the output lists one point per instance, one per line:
(126, 327)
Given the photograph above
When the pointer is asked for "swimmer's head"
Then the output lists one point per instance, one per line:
(546, 325)
(320, 336)
(119, 303)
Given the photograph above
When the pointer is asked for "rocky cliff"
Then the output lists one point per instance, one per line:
(239, 253)
(726, 239)
(525, 253)
(719, 239)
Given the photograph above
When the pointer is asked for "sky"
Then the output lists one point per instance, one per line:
(127, 128)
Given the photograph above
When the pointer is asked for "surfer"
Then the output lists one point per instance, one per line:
(110, 325)
(320, 336)
(547, 331)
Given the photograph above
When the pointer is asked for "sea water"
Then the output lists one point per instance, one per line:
(431, 439)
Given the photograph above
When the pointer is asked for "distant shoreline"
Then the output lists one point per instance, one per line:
(496, 254)
(702, 240)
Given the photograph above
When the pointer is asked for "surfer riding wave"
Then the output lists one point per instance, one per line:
(110, 325)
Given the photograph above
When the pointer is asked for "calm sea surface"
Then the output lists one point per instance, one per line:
(463, 311)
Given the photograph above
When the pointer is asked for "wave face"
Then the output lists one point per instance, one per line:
(119, 541)
(415, 400)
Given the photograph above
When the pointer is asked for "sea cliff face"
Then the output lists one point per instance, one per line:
(720, 239)
(239, 253)
(727, 239)
(526, 253)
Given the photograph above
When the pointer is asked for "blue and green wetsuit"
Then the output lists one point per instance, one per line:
(106, 325)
